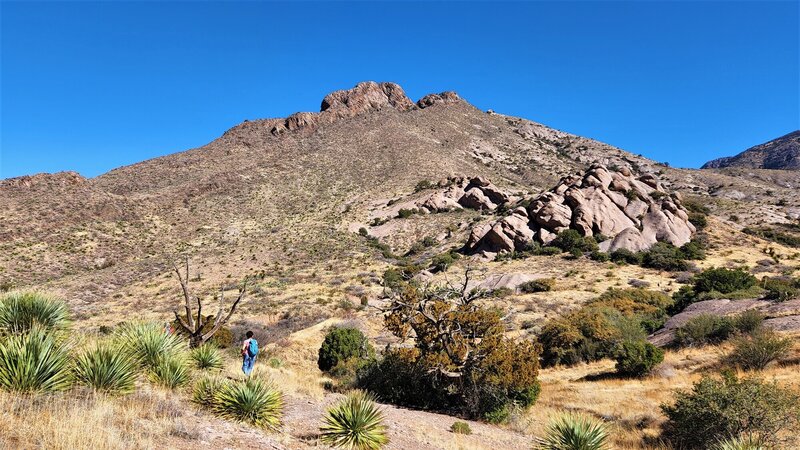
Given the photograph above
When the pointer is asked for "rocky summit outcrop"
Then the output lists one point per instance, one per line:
(438, 99)
(781, 153)
(364, 97)
(461, 192)
(630, 212)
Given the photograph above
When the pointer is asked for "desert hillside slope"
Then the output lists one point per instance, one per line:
(276, 190)
(782, 153)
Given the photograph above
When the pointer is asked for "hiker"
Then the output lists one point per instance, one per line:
(249, 352)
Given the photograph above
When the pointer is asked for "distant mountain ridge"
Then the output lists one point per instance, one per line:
(782, 153)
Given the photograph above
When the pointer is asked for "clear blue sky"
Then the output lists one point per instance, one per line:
(92, 86)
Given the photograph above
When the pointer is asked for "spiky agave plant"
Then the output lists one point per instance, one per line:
(170, 371)
(34, 361)
(254, 401)
(206, 357)
(205, 389)
(355, 423)
(740, 443)
(20, 311)
(106, 368)
(148, 344)
(575, 432)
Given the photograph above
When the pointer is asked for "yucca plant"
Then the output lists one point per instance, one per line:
(254, 401)
(206, 357)
(170, 372)
(20, 311)
(575, 432)
(148, 344)
(740, 443)
(106, 368)
(205, 389)
(34, 361)
(355, 423)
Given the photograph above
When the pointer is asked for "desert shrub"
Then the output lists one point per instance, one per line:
(626, 256)
(473, 369)
(637, 358)
(406, 213)
(206, 357)
(459, 427)
(780, 289)
(354, 423)
(205, 389)
(253, 401)
(423, 184)
(595, 330)
(575, 432)
(693, 250)
(599, 256)
(571, 240)
(34, 361)
(716, 409)
(723, 280)
(222, 338)
(363, 232)
(748, 321)
(540, 285)
(170, 372)
(704, 329)
(757, 350)
(20, 311)
(342, 344)
(584, 335)
(699, 220)
(443, 261)
(664, 256)
(147, 343)
(716, 283)
(106, 368)
(549, 251)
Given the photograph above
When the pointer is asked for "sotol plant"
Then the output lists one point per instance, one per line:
(106, 368)
(20, 311)
(254, 401)
(206, 357)
(355, 423)
(205, 389)
(34, 361)
(742, 443)
(148, 344)
(575, 432)
(170, 372)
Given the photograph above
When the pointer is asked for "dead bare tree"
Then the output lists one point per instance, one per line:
(194, 323)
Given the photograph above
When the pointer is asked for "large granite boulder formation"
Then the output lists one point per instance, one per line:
(630, 212)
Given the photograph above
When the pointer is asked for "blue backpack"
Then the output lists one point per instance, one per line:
(253, 348)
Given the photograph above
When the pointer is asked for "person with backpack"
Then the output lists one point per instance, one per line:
(249, 352)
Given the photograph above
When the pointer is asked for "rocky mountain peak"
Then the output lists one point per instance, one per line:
(366, 96)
